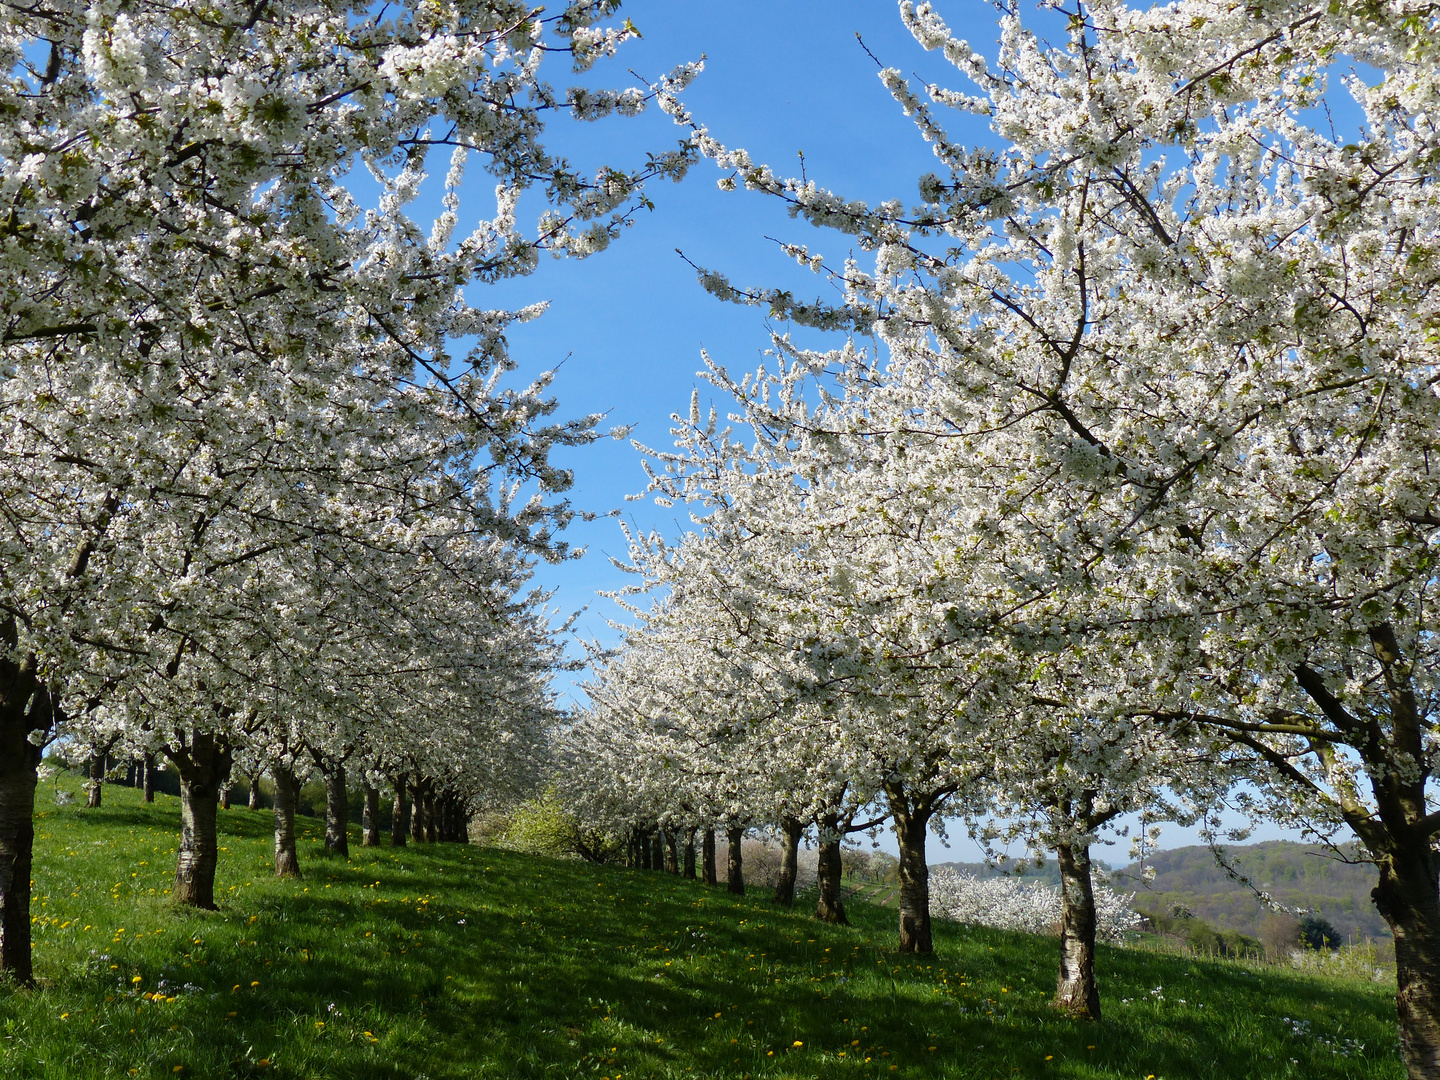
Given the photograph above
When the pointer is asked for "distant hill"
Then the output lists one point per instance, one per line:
(1298, 875)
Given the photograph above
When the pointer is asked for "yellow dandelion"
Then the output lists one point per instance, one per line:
(797, 1042)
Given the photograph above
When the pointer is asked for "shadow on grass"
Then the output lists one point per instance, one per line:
(453, 961)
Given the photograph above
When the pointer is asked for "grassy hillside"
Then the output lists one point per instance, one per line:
(461, 962)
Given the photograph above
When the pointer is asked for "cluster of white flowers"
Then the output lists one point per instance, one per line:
(1006, 902)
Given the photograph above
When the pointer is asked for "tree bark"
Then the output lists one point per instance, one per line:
(225, 797)
(789, 862)
(94, 780)
(417, 811)
(672, 852)
(25, 710)
(287, 859)
(1075, 991)
(253, 803)
(337, 811)
(911, 816)
(828, 906)
(734, 870)
(398, 822)
(432, 821)
(148, 777)
(689, 850)
(643, 842)
(707, 859)
(370, 829)
(1408, 898)
(203, 766)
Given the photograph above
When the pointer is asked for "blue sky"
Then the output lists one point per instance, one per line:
(627, 325)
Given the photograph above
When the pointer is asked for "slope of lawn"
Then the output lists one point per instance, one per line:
(452, 961)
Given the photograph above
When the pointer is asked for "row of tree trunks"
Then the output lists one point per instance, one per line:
(426, 817)
(675, 853)
(656, 849)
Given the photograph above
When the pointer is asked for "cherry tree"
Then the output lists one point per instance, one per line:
(214, 338)
(1194, 336)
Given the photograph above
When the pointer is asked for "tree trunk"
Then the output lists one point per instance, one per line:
(672, 852)
(370, 829)
(203, 766)
(148, 777)
(254, 801)
(225, 797)
(911, 817)
(397, 814)
(829, 907)
(657, 850)
(417, 811)
(735, 872)
(25, 710)
(287, 859)
(689, 851)
(444, 818)
(1408, 898)
(337, 811)
(645, 848)
(432, 818)
(789, 862)
(1075, 991)
(94, 780)
(708, 872)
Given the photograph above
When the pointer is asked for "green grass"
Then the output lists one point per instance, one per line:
(454, 961)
